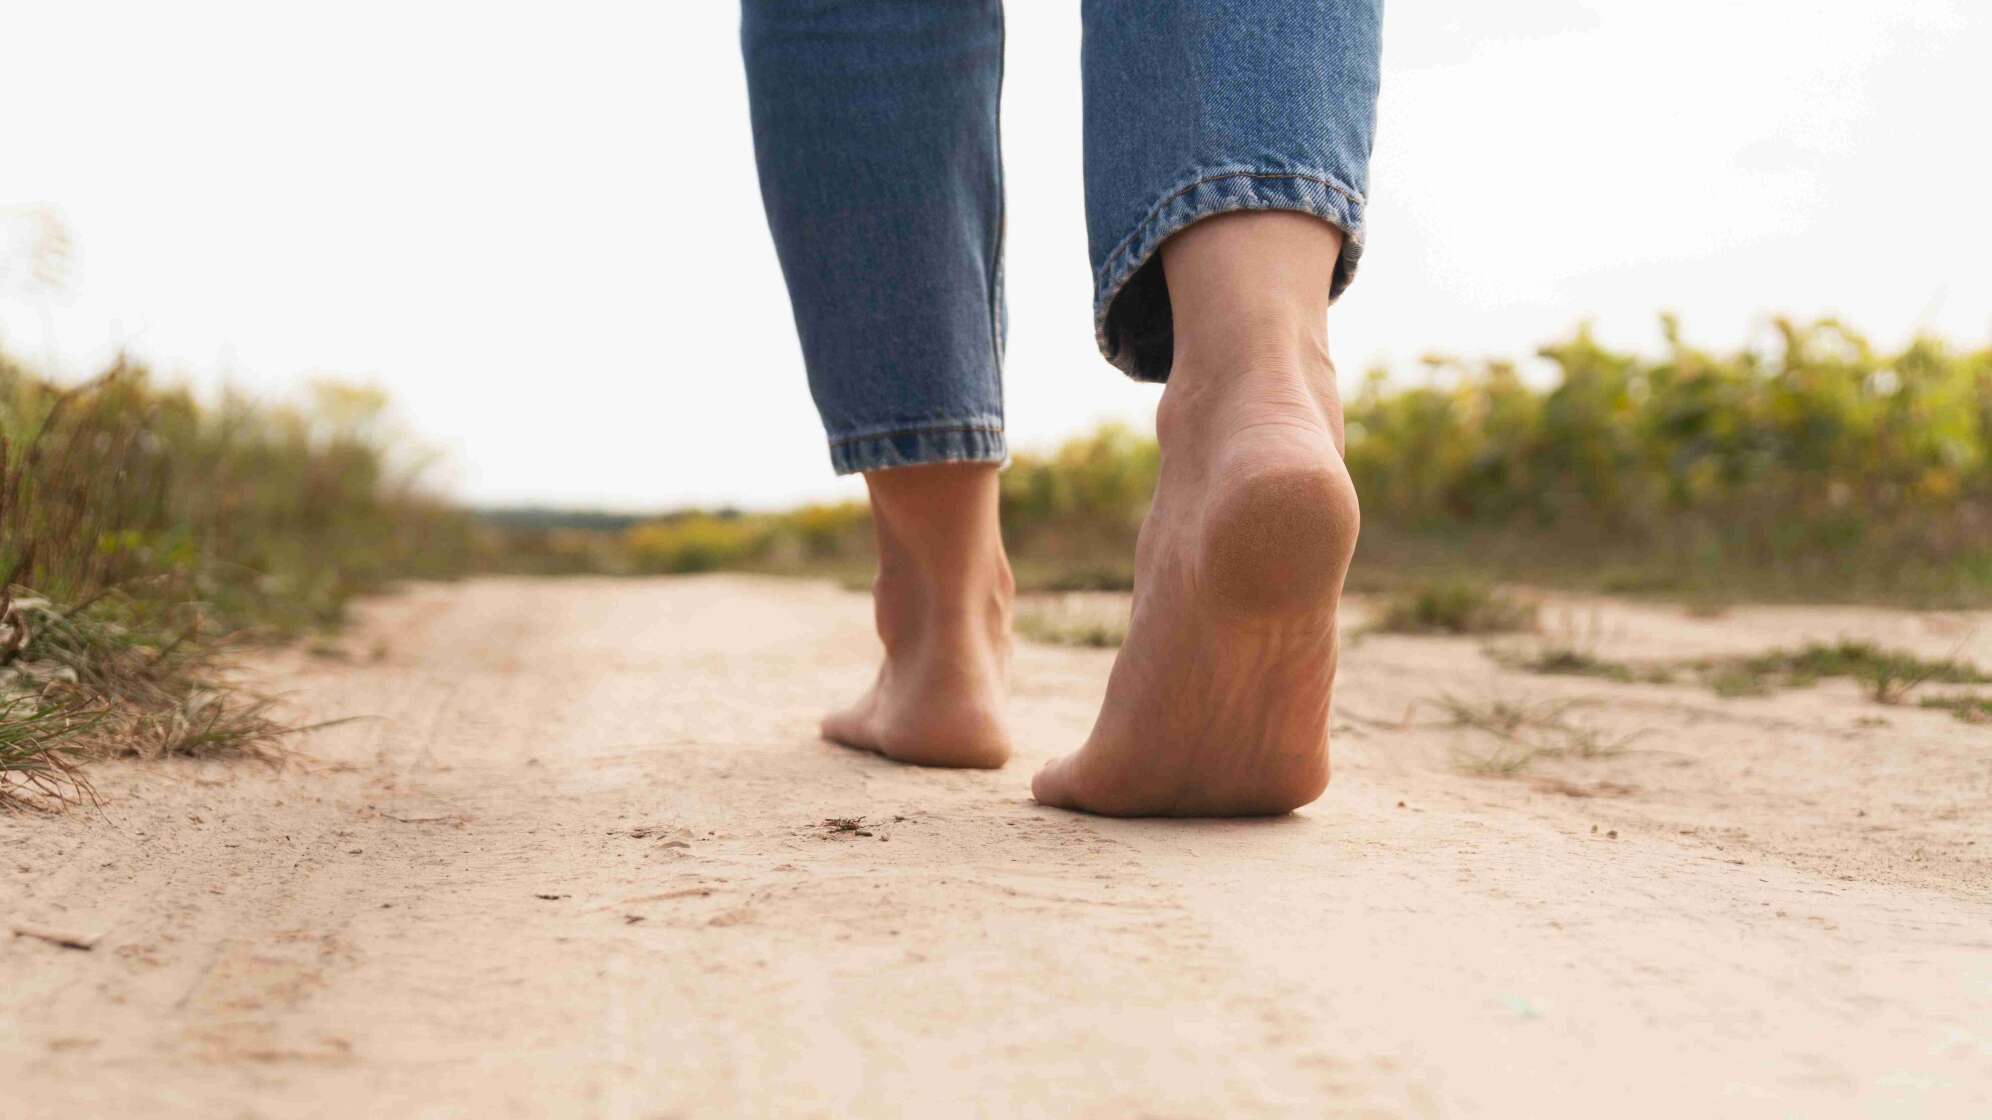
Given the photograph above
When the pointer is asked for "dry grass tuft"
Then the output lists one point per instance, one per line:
(1089, 621)
(1887, 676)
(37, 769)
(1524, 731)
(144, 533)
(1064, 632)
(1457, 607)
(1969, 707)
(105, 690)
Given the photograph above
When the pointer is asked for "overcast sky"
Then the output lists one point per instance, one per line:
(538, 226)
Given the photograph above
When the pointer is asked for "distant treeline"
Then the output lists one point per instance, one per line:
(543, 517)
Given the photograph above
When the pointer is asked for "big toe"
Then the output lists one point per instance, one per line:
(1052, 784)
(846, 727)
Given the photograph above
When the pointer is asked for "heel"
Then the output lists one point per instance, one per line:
(1278, 542)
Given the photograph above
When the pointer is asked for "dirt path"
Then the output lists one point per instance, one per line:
(582, 863)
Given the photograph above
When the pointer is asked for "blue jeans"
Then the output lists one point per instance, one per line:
(875, 129)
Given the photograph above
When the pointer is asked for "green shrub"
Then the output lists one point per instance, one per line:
(139, 528)
(697, 543)
(1822, 467)
(829, 531)
(1078, 509)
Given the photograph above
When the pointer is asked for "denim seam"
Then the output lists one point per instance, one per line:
(996, 308)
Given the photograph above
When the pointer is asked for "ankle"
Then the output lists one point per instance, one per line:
(941, 566)
(1211, 398)
(1265, 328)
(952, 605)
(1249, 295)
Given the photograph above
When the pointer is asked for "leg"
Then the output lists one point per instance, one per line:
(942, 601)
(1225, 161)
(1218, 703)
(875, 135)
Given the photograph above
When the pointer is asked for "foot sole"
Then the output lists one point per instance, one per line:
(1278, 542)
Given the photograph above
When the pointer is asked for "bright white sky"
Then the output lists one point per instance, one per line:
(538, 226)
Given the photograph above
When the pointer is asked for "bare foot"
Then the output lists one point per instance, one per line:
(942, 600)
(1218, 702)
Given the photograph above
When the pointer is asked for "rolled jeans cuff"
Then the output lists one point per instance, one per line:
(977, 440)
(1131, 317)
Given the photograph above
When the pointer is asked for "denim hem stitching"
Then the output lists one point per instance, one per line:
(1155, 211)
(1170, 215)
(950, 443)
(930, 429)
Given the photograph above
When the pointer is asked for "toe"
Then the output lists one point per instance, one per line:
(1052, 785)
(846, 727)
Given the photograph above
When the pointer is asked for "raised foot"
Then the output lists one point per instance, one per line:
(1218, 703)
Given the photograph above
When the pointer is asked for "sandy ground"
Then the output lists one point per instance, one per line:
(577, 861)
